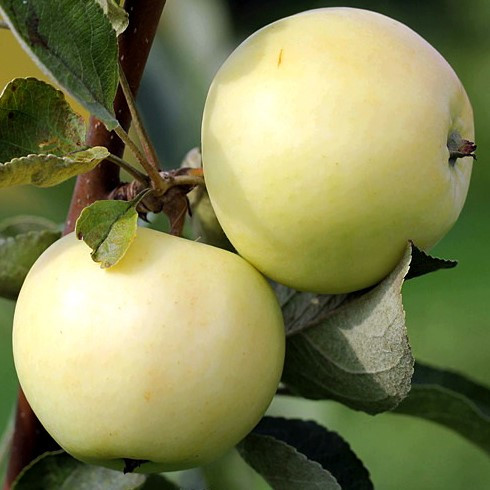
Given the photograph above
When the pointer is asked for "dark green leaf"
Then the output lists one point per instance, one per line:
(16, 225)
(282, 466)
(35, 118)
(117, 15)
(75, 43)
(58, 470)
(108, 228)
(41, 138)
(350, 348)
(5, 444)
(452, 400)
(22, 241)
(49, 170)
(317, 444)
(423, 263)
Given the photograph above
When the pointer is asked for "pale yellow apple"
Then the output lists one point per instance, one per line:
(324, 144)
(171, 356)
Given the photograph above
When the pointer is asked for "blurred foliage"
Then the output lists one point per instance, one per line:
(447, 316)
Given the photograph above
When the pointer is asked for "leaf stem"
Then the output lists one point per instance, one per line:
(135, 173)
(156, 178)
(190, 180)
(139, 127)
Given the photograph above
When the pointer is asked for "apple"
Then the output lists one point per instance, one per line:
(160, 363)
(330, 139)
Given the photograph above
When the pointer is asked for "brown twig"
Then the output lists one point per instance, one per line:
(30, 439)
(134, 47)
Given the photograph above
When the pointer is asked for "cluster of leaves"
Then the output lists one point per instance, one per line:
(349, 348)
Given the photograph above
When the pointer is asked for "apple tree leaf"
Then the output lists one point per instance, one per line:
(6, 443)
(49, 170)
(73, 42)
(41, 138)
(108, 228)
(296, 454)
(350, 348)
(35, 118)
(450, 399)
(22, 241)
(57, 469)
(118, 17)
(17, 225)
(422, 263)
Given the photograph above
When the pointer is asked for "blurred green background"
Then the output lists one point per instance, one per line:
(447, 313)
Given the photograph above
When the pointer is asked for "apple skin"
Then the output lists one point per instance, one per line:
(324, 146)
(171, 356)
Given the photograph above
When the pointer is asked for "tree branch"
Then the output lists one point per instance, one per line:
(30, 439)
(134, 48)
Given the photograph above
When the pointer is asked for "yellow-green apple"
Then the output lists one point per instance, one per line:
(330, 139)
(162, 362)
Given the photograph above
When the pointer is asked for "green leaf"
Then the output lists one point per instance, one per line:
(295, 454)
(283, 467)
(35, 118)
(451, 400)
(108, 228)
(5, 444)
(58, 470)
(350, 348)
(22, 241)
(49, 170)
(117, 15)
(41, 138)
(16, 225)
(423, 263)
(74, 42)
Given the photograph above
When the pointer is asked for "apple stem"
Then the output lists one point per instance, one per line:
(459, 148)
(30, 440)
(4, 25)
(178, 183)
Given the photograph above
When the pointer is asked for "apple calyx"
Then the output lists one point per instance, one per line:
(172, 201)
(459, 148)
(131, 464)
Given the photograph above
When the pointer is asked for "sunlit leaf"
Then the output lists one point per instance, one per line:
(117, 15)
(350, 348)
(108, 228)
(49, 170)
(74, 42)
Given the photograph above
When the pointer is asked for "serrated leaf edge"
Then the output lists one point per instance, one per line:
(299, 453)
(111, 122)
